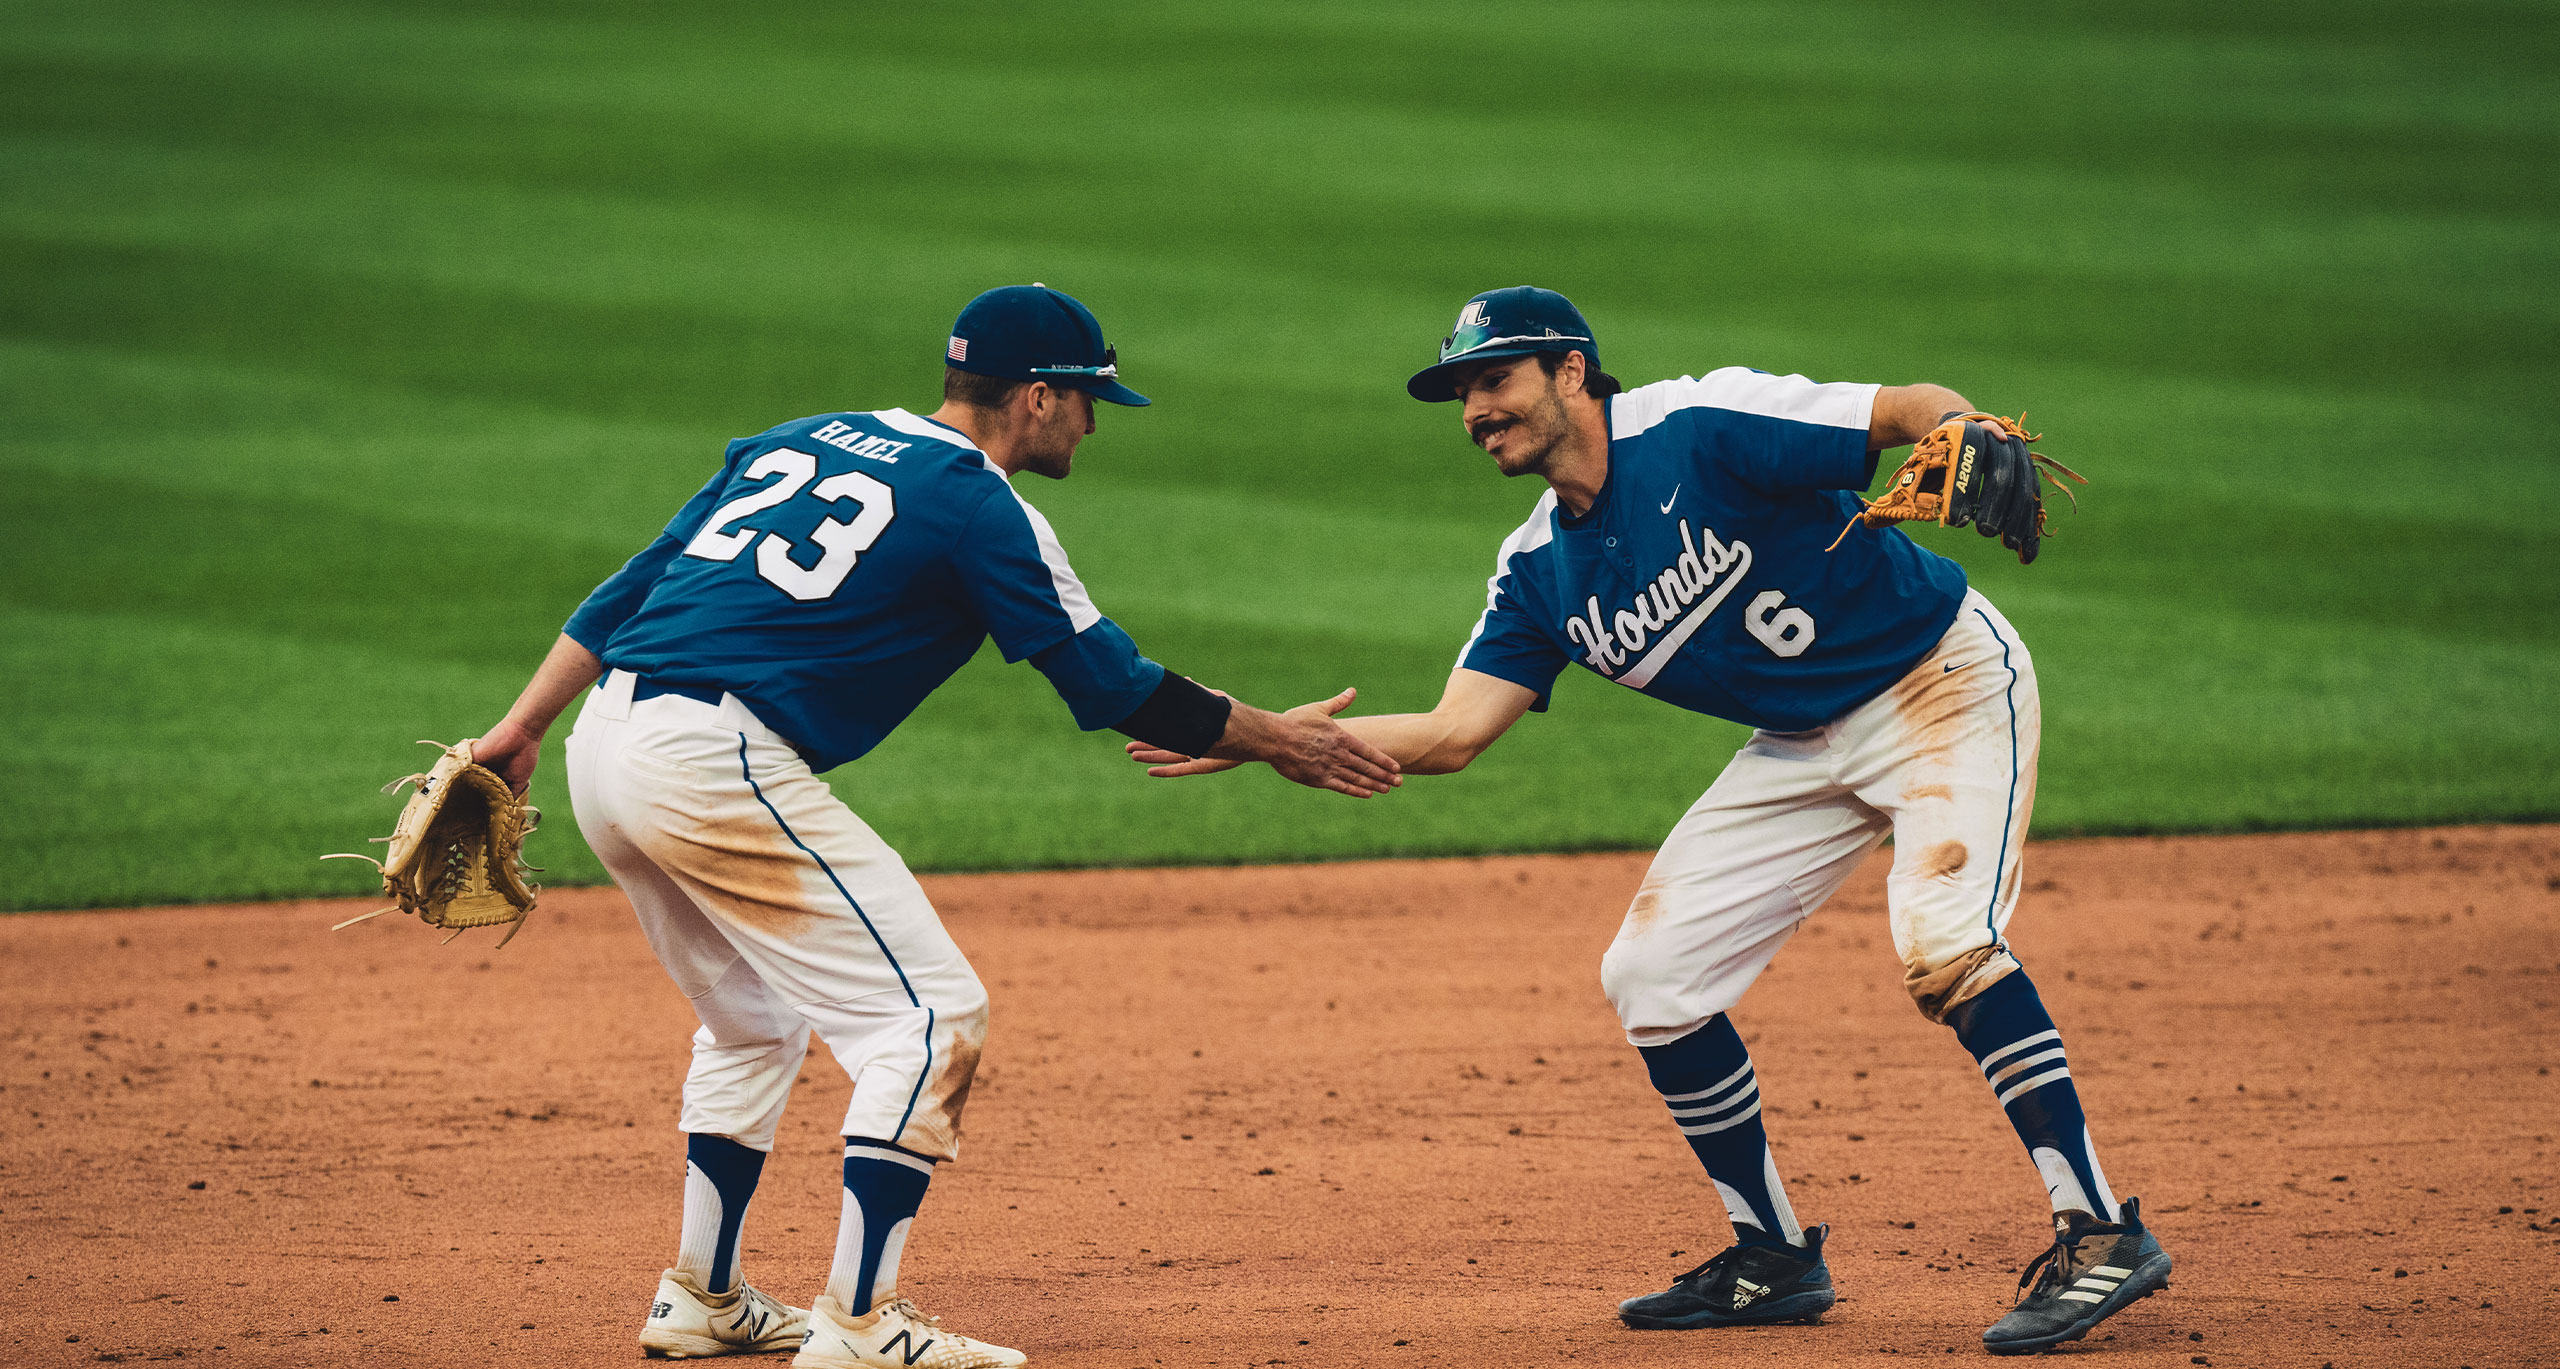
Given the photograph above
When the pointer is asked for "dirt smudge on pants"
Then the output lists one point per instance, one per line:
(1646, 910)
(950, 1084)
(1942, 860)
(1922, 793)
(1932, 702)
(1938, 990)
(935, 1127)
(753, 875)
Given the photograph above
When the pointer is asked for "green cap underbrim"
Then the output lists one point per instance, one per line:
(1439, 384)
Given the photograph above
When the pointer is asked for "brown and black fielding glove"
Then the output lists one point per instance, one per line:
(1974, 468)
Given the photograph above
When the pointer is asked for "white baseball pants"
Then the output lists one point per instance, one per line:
(1945, 761)
(776, 911)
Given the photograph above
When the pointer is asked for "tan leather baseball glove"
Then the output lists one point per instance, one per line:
(1974, 468)
(456, 856)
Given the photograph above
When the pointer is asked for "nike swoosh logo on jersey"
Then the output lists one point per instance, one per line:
(1675, 497)
(1952, 666)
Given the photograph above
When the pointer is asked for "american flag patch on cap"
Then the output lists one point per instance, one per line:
(959, 349)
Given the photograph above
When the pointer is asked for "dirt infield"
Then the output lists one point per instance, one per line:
(1371, 1114)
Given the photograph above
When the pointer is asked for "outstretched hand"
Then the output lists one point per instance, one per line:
(1166, 765)
(1312, 749)
(1304, 744)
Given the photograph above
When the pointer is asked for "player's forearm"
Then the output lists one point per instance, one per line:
(1423, 743)
(1473, 713)
(1905, 413)
(568, 669)
(1252, 734)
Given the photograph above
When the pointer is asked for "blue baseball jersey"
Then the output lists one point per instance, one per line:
(1699, 575)
(839, 568)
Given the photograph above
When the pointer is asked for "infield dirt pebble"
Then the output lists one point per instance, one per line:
(1358, 1114)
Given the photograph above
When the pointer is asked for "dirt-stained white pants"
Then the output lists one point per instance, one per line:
(776, 911)
(1945, 761)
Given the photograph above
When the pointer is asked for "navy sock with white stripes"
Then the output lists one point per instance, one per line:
(2015, 1042)
(719, 1178)
(883, 1187)
(1706, 1079)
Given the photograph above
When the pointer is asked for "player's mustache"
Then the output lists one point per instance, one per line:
(1486, 427)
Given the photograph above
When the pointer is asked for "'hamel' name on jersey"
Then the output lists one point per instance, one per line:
(1699, 574)
(837, 569)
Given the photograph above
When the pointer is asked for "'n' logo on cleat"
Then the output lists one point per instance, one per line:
(658, 1310)
(912, 1353)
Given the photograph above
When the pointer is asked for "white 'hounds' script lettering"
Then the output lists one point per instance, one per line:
(1665, 614)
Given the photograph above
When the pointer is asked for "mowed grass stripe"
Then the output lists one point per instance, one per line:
(699, 137)
(295, 290)
(1409, 581)
(1409, 568)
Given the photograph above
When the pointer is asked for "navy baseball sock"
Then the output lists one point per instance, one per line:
(1706, 1079)
(2014, 1040)
(719, 1177)
(883, 1187)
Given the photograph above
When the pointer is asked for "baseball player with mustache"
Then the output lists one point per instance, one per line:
(1680, 550)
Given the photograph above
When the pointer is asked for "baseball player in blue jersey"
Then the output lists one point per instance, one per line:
(1680, 550)
(829, 576)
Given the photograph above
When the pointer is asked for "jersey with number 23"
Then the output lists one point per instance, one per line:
(837, 569)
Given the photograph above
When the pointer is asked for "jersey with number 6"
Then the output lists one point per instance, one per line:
(838, 568)
(1699, 575)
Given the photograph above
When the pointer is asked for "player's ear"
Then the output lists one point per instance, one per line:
(1570, 373)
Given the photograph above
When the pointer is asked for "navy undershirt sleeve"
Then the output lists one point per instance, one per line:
(1181, 715)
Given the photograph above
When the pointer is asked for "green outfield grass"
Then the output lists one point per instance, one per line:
(343, 347)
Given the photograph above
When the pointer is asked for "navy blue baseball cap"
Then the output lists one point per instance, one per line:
(1511, 322)
(1031, 332)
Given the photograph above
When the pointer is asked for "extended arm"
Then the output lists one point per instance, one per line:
(515, 743)
(1307, 745)
(1473, 711)
(1905, 413)
(1102, 677)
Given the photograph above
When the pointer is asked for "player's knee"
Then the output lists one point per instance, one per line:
(964, 1007)
(723, 1038)
(1621, 975)
(1940, 986)
(1644, 998)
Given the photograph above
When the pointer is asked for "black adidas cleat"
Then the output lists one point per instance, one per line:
(2094, 1270)
(1747, 1285)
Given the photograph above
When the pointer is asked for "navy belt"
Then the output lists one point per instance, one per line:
(650, 689)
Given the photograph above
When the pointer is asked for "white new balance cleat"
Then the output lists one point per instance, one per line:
(687, 1323)
(894, 1336)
